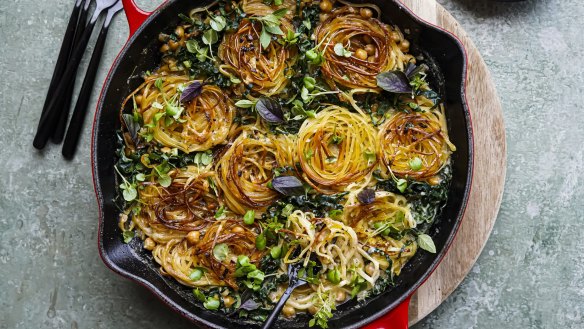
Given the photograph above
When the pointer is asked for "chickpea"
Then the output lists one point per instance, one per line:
(361, 54)
(371, 59)
(410, 58)
(370, 49)
(323, 17)
(162, 37)
(370, 269)
(395, 36)
(341, 296)
(149, 244)
(172, 44)
(164, 48)
(366, 13)
(228, 301)
(193, 237)
(312, 309)
(434, 180)
(237, 229)
(367, 39)
(404, 45)
(182, 43)
(289, 311)
(179, 32)
(326, 6)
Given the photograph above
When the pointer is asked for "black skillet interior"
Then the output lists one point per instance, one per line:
(443, 52)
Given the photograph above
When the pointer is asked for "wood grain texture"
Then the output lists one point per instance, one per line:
(489, 170)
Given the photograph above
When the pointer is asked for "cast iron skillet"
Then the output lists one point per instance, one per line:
(389, 310)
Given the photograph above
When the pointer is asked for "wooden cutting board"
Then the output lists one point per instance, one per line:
(489, 170)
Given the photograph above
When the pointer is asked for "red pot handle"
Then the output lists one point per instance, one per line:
(395, 319)
(135, 15)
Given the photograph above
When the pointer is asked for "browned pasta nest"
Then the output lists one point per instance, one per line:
(336, 148)
(415, 135)
(260, 8)
(379, 224)
(240, 240)
(245, 170)
(244, 57)
(178, 258)
(204, 122)
(346, 26)
(186, 205)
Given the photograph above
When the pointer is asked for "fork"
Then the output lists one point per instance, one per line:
(293, 282)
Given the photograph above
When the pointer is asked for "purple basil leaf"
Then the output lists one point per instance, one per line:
(409, 69)
(412, 69)
(394, 81)
(270, 110)
(288, 185)
(366, 196)
(133, 127)
(250, 305)
(191, 91)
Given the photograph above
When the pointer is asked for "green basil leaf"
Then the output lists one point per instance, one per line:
(265, 38)
(210, 37)
(244, 103)
(274, 29)
(280, 12)
(192, 46)
(164, 180)
(425, 242)
(206, 158)
(218, 23)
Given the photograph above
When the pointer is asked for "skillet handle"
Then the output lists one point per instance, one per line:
(135, 15)
(396, 319)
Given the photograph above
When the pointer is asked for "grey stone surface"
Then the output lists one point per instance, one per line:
(529, 275)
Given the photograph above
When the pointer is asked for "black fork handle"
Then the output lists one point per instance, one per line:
(51, 116)
(278, 308)
(66, 47)
(65, 104)
(74, 130)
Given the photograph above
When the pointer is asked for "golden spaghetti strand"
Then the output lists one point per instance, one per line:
(336, 148)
